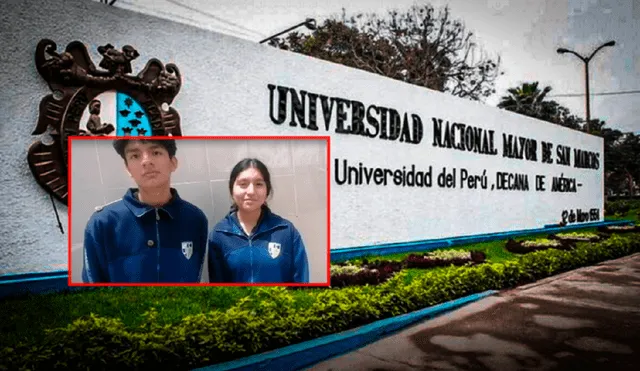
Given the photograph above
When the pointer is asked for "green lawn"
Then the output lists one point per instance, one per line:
(24, 319)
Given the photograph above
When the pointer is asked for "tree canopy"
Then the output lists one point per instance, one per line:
(420, 46)
(622, 161)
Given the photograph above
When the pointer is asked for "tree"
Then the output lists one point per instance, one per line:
(626, 168)
(418, 46)
(612, 158)
(529, 100)
(525, 99)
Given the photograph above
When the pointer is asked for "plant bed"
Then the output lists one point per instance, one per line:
(608, 229)
(444, 258)
(271, 318)
(527, 246)
(576, 237)
(375, 273)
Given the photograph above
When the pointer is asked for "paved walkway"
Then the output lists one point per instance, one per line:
(586, 319)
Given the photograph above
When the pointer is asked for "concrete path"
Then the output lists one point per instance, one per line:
(586, 319)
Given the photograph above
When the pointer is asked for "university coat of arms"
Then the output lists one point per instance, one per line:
(89, 101)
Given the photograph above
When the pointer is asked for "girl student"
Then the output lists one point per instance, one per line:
(252, 244)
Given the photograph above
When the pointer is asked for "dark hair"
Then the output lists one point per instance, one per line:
(168, 144)
(245, 164)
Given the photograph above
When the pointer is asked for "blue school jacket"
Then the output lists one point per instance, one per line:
(273, 253)
(128, 241)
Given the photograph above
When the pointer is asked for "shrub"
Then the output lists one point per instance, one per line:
(388, 266)
(619, 229)
(617, 207)
(345, 269)
(444, 258)
(621, 206)
(524, 247)
(368, 274)
(576, 237)
(363, 277)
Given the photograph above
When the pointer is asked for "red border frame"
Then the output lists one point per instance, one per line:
(213, 137)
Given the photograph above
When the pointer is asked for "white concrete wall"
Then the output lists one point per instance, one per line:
(225, 92)
(298, 176)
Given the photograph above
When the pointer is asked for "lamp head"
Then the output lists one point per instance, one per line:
(610, 43)
(310, 23)
(562, 50)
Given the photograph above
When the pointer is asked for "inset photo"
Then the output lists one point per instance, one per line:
(167, 211)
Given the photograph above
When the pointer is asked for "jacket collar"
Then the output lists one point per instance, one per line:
(139, 209)
(268, 221)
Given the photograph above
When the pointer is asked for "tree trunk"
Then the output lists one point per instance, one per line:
(630, 183)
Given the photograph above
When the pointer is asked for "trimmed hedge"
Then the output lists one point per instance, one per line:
(267, 321)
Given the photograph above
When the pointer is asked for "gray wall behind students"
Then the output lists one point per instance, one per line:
(298, 173)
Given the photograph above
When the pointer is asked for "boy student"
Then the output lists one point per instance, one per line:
(151, 234)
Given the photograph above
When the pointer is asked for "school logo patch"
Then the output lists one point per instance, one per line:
(187, 249)
(274, 249)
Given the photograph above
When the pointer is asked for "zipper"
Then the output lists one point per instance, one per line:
(249, 237)
(243, 234)
(251, 257)
(157, 247)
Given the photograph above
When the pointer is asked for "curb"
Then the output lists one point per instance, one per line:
(309, 353)
(35, 284)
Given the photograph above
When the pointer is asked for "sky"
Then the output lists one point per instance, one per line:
(524, 33)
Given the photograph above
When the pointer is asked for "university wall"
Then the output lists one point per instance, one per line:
(481, 169)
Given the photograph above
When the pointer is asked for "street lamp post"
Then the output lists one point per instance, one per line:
(310, 23)
(586, 72)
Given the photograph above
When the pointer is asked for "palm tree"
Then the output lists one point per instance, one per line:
(529, 100)
(526, 99)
